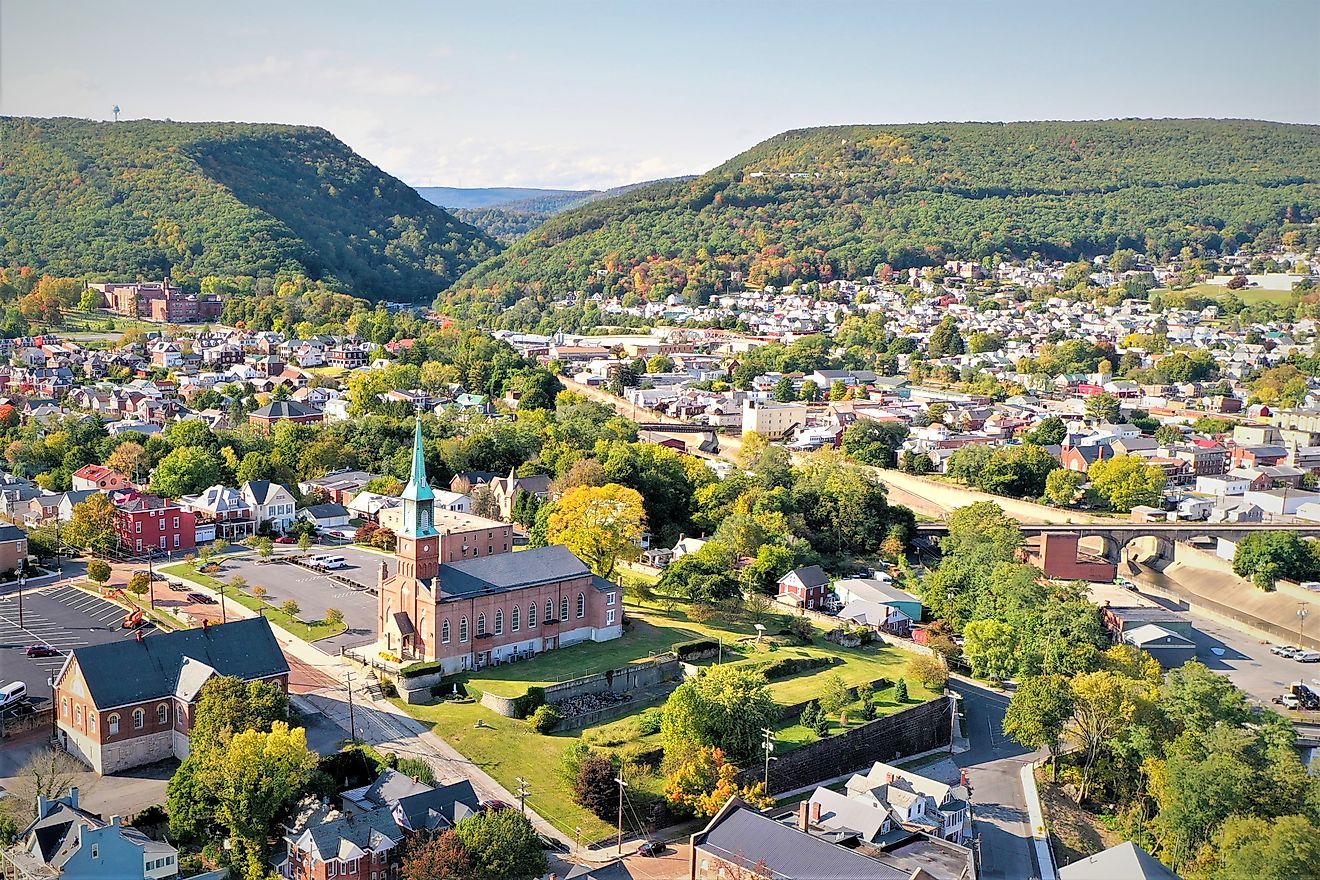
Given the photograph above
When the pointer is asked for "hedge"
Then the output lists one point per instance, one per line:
(684, 650)
(786, 666)
(529, 702)
(418, 669)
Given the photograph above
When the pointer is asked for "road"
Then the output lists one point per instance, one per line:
(994, 765)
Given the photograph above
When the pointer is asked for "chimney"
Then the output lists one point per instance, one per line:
(815, 812)
(114, 821)
(804, 822)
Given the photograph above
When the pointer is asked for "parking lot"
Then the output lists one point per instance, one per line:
(315, 592)
(60, 616)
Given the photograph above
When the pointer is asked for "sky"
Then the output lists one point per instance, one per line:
(574, 94)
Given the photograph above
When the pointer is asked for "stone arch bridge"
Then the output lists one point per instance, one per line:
(1116, 536)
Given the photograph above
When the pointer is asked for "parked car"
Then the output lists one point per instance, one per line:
(1288, 701)
(549, 843)
(178, 586)
(495, 806)
(1307, 656)
(285, 539)
(155, 575)
(1284, 650)
(201, 599)
(41, 651)
(651, 849)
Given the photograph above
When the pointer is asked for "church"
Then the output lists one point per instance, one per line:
(461, 597)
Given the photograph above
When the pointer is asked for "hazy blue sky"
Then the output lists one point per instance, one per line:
(582, 94)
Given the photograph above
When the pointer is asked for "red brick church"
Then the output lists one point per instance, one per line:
(460, 595)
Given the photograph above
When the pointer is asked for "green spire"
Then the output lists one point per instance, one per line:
(418, 488)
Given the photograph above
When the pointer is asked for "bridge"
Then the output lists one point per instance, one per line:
(1116, 536)
(709, 442)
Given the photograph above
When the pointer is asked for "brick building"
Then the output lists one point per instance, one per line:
(149, 523)
(160, 301)
(13, 548)
(462, 598)
(284, 411)
(95, 476)
(131, 702)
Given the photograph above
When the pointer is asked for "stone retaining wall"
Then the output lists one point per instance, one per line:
(922, 728)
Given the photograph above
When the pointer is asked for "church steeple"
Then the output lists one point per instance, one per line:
(418, 497)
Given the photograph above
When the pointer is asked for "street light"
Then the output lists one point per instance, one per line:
(22, 579)
(1301, 621)
(622, 785)
(768, 743)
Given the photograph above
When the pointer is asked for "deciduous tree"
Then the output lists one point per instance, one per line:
(600, 524)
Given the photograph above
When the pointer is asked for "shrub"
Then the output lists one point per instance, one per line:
(570, 762)
(930, 671)
(291, 608)
(529, 702)
(545, 719)
(417, 669)
(809, 714)
(868, 711)
(800, 630)
(649, 722)
(900, 691)
(259, 592)
(388, 689)
(701, 612)
(595, 788)
(417, 768)
(786, 666)
(696, 647)
(334, 616)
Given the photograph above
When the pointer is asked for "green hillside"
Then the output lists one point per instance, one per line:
(836, 202)
(118, 200)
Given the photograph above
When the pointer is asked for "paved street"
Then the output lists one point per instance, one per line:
(999, 807)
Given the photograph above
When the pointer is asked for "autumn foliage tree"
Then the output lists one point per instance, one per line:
(705, 782)
(437, 857)
(600, 524)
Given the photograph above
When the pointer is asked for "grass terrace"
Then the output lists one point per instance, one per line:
(508, 748)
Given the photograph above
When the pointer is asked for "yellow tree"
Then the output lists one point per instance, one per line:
(600, 524)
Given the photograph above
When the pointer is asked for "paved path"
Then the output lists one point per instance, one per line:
(994, 765)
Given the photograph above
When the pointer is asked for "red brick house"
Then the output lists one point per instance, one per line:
(148, 522)
(131, 702)
(96, 476)
(805, 587)
(1080, 458)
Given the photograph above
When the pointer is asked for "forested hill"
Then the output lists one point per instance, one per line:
(831, 202)
(118, 200)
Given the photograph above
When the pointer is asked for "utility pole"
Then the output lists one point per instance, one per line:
(151, 584)
(767, 743)
(524, 789)
(577, 834)
(1301, 622)
(622, 785)
(352, 725)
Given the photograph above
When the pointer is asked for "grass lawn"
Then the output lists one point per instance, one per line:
(308, 632)
(513, 679)
(1250, 296)
(507, 749)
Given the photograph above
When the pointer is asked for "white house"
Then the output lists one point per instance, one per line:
(1222, 485)
(886, 797)
(272, 504)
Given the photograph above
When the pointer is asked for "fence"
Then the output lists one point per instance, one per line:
(922, 728)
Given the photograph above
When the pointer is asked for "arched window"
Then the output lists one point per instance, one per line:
(563, 609)
(139, 719)
(582, 605)
(77, 716)
(549, 611)
(462, 629)
(481, 624)
(515, 622)
(531, 616)
(499, 621)
(444, 632)
(162, 713)
(112, 723)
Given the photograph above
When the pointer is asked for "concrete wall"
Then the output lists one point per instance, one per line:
(634, 676)
(947, 497)
(922, 728)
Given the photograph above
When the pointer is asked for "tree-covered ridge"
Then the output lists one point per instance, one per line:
(836, 202)
(147, 198)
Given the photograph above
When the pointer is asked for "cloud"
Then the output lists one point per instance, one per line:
(315, 71)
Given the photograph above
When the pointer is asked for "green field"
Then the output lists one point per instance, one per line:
(1248, 296)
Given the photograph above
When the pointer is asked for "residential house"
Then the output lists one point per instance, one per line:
(278, 411)
(95, 476)
(1126, 860)
(224, 508)
(149, 523)
(272, 505)
(13, 549)
(113, 721)
(323, 843)
(805, 587)
(507, 489)
(67, 841)
(878, 605)
(341, 485)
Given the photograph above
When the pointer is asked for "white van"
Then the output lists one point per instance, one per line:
(330, 562)
(1307, 656)
(12, 694)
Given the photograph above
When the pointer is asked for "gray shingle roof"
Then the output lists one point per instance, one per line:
(744, 836)
(129, 671)
(1126, 860)
(510, 571)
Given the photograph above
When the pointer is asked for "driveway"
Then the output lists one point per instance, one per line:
(999, 807)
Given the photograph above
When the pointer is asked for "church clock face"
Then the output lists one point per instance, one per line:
(426, 548)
